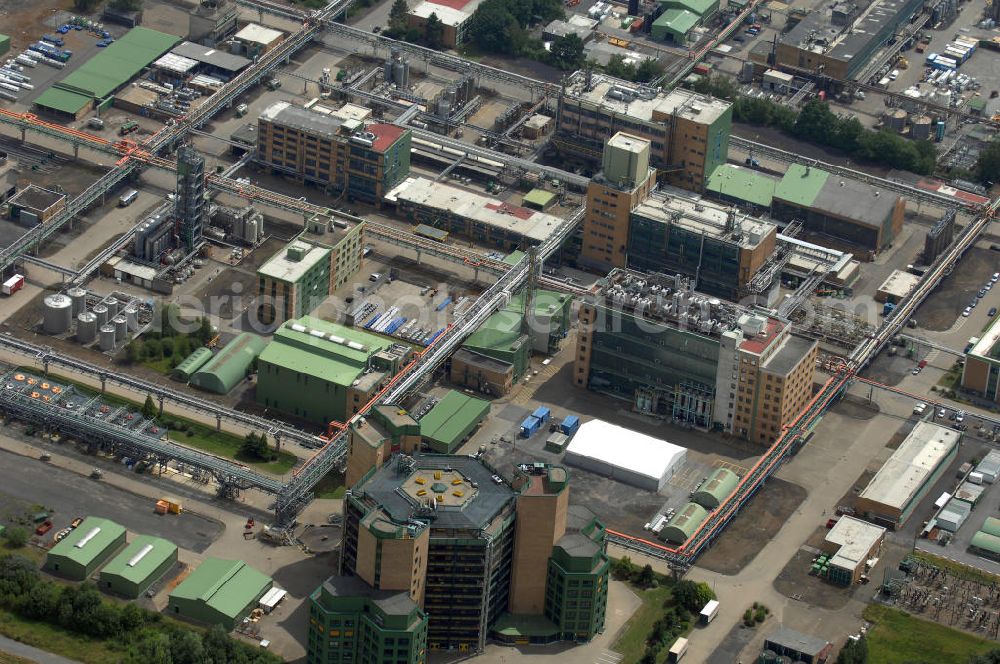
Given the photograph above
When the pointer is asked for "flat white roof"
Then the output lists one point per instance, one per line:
(855, 539)
(989, 339)
(176, 63)
(282, 268)
(533, 225)
(258, 34)
(448, 15)
(899, 283)
(905, 472)
(626, 449)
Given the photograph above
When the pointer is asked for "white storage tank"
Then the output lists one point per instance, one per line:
(101, 311)
(121, 328)
(58, 314)
(131, 313)
(86, 327)
(107, 334)
(79, 298)
(112, 304)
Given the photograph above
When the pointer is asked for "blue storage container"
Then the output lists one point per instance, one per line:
(542, 413)
(530, 426)
(570, 424)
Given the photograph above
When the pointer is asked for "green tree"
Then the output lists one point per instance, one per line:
(149, 408)
(816, 123)
(648, 69)
(856, 652)
(493, 29)
(18, 574)
(168, 347)
(645, 577)
(16, 537)
(254, 446)
(433, 32)
(692, 596)
(204, 333)
(988, 163)
(397, 19)
(567, 52)
(85, 6)
(153, 648)
(618, 68)
(182, 347)
(991, 657)
(126, 5)
(622, 568)
(186, 648)
(133, 352)
(153, 349)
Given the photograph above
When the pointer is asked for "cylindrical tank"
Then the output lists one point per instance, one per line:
(921, 128)
(101, 311)
(131, 313)
(939, 131)
(746, 74)
(107, 335)
(112, 304)
(768, 657)
(86, 327)
(58, 314)
(121, 327)
(79, 298)
(895, 119)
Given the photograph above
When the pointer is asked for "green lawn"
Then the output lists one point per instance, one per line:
(331, 486)
(161, 365)
(203, 437)
(896, 637)
(57, 640)
(7, 658)
(632, 642)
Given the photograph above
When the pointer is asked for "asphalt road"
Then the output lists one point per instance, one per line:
(68, 496)
(29, 652)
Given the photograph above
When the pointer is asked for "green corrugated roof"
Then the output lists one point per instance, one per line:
(66, 547)
(63, 101)
(986, 542)
(110, 69)
(450, 419)
(679, 21)
(228, 586)
(503, 329)
(229, 366)
(162, 550)
(991, 526)
(742, 183)
(539, 197)
(699, 7)
(321, 357)
(193, 362)
(716, 488)
(801, 184)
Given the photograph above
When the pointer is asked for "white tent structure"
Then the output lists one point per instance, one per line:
(624, 455)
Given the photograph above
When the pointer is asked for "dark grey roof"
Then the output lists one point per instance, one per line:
(818, 25)
(577, 545)
(36, 198)
(797, 641)
(211, 56)
(491, 497)
(304, 120)
(852, 199)
(392, 602)
(246, 134)
(788, 356)
(578, 517)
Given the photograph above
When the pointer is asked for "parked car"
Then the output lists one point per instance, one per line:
(996, 277)
(45, 527)
(919, 408)
(992, 312)
(967, 311)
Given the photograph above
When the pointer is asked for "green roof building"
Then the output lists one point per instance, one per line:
(219, 592)
(4, 44)
(739, 184)
(991, 526)
(703, 9)
(801, 185)
(539, 199)
(720, 483)
(191, 364)
(351, 623)
(986, 544)
(451, 420)
(683, 524)
(99, 78)
(230, 365)
(674, 25)
(140, 565)
(86, 548)
(324, 372)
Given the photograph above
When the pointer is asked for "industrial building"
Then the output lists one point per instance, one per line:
(480, 555)
(839, 40)
(298, 278)
(671, 352)
(896, 287)
(489, 221)
(387, 430)
(323, 372)
(684, 524)
(352, 623)
(908, 474)
(361, 160)
(688, 132)
(8, 178)
(190, 204)
(210, 22)
(35, 205)
(141, 564)
(451, 421)
(796, 646)
(189, 60)
(496, 356)
(455, 16)
(853, 545)
(634, 458)
(97, 80)
(989, 467)
(218, 592)
(981, 373)
(718, 486)
(229, 366)
(986, 541)
(681, 17)
(85, 548)
(256, 40)
(854, 213)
